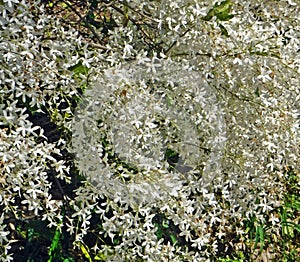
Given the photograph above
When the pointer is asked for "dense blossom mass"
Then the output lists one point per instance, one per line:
(180, 119)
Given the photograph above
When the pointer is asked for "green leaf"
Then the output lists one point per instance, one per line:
(159, 233)
(30, 234)
(173, 239)
(220, 11)
(209, 15)
(224, 16)
(170, 153)
(257, 91)
(55, 245)
(69, 259)
(79, 68)
(260, 237)
(165, 224)
(292, 201)
(85, 251)
(223, 30)
(100, 257)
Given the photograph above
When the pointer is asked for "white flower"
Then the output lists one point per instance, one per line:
(10, 3)
(265, 75)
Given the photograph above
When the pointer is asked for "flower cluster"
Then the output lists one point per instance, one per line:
(186, 122)
(35, 53)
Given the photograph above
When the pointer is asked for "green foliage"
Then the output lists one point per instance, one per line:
(260, 237)
(221, 11)
(79, 69)
(172, 157)
(88, 254)
(85, 251)
(55, 247)
(290, 228)
(223, 30)
(166, 230)
(288, 213)
(239, 258)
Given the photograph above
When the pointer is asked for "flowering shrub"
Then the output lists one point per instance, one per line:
(183, 117)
